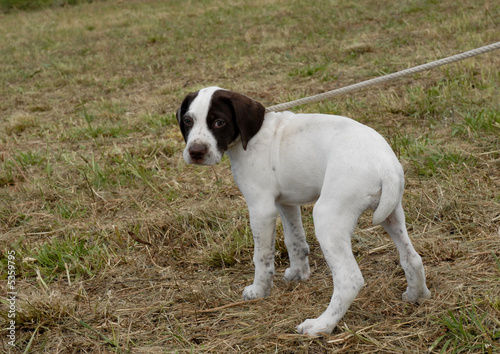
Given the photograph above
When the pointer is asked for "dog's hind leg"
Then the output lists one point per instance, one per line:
(409, 258)
(334, 224)
(295, 241)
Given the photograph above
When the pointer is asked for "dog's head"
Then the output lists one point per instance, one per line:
(212, 118)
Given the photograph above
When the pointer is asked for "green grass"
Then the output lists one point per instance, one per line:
(428, 158)
(121, 245)
(469, 331)
(82, 258)
(477, 123)
(9, 5)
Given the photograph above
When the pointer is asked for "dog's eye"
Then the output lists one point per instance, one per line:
(219, 123)
(188, 122)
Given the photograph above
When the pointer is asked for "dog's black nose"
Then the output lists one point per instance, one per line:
(198, 151)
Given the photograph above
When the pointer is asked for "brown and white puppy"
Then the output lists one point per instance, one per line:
(283, 160)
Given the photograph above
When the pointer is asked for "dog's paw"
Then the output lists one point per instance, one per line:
(313, 327)
(412, 295)
(255, 292)
(297, 274)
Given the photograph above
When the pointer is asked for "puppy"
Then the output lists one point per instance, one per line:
(281, 161)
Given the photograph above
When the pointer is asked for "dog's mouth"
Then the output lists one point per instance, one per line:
(199, 162)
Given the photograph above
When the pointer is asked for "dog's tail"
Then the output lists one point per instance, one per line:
(392, 192)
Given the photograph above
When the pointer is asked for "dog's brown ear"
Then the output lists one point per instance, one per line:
(183, 109)
(248, 114)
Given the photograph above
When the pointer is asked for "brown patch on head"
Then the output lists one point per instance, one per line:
(248, 114)
(182, 110)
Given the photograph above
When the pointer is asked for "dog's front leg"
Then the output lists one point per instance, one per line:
(295, 240)
(263, 225)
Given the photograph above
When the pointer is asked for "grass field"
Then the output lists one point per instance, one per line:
(118, 246)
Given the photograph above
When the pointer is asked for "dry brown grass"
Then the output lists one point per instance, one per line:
(121, 247)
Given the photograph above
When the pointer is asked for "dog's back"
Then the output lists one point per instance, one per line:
(305, 152)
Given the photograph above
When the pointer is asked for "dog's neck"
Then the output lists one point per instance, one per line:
(234, 151)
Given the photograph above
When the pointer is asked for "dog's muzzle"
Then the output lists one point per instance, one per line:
(197, 152)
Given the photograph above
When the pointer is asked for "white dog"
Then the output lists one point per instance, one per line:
(283, 160)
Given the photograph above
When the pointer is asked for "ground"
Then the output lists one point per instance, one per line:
(116, 245)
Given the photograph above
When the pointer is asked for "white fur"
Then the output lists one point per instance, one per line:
(343, 166)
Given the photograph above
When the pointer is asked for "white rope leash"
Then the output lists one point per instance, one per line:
(379, 80)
